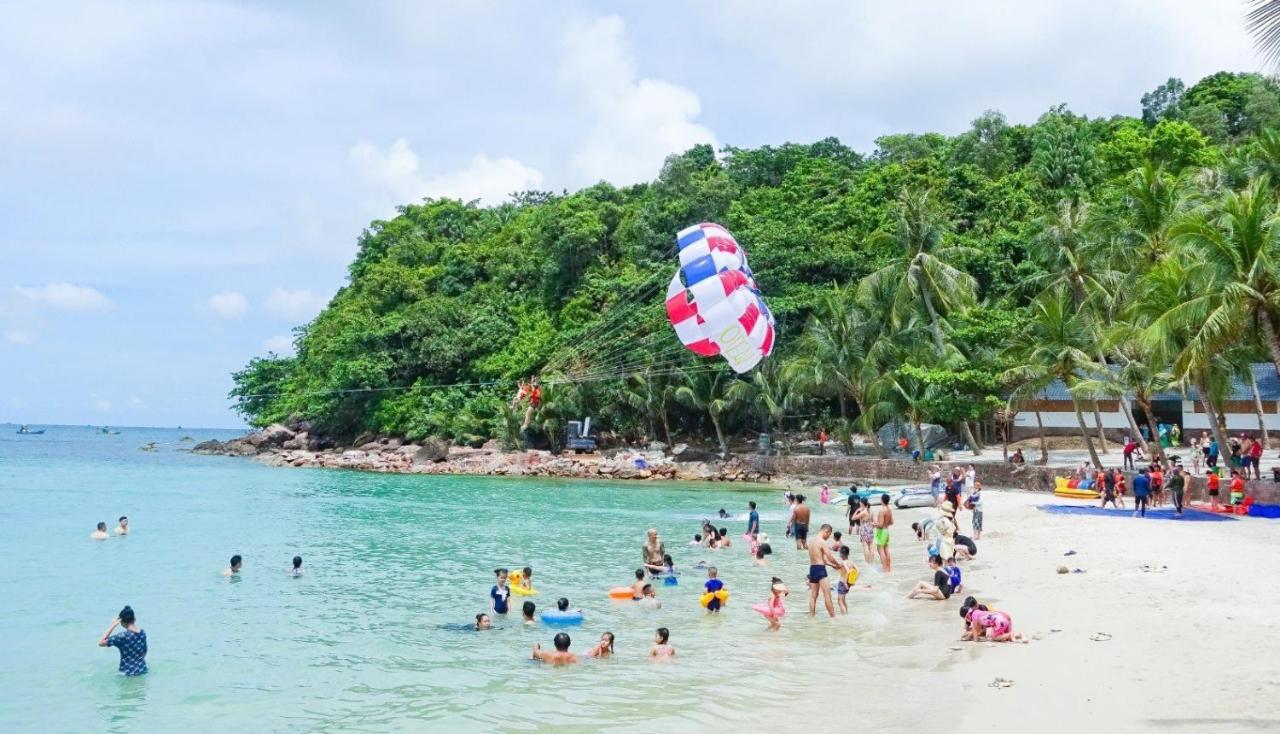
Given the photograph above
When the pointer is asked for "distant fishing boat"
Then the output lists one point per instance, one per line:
(26, 431)
(109, 432)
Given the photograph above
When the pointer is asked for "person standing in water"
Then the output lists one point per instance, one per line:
(884, 521)
(820, 558)
(297, 567)
(653, 552)
(100, 533)
(131, 642)
(123, 527)
(801, 528)
(561, 656)
(753, 520)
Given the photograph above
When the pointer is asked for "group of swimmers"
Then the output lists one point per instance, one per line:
(100, 532)
(131, 640)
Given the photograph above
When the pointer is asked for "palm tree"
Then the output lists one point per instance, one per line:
(1263, 22)
(922, 279)
(651, 393)
(1066, 246)
(1057, 343)
(1238, 238)
(767, 392)
(1168, 310)
(1153, 201)
(1027, 383)
(708, 390)
(836, 355)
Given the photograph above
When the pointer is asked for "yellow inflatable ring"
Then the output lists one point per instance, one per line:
(722, 595)
(514, 578)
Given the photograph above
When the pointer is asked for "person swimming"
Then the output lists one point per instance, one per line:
(648, 599)
(100, 533)
(561, 656)
(297, 567)
(662, 648)
(123, 527)
(762, 550)
(234, 568)
(483, 622)
(603, 648)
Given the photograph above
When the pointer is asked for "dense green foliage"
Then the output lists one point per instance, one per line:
(905, 282)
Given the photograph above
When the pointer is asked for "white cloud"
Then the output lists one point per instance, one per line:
(18, 336)
(66, 297)
(397, 172)
(280, 345)
(638, 122)
(102, 405)
(296, 305)
(134, 401)
(229, 304)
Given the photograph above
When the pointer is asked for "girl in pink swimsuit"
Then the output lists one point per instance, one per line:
(773, 610)
(998, 624)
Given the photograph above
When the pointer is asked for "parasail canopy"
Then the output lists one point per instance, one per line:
(713, 301)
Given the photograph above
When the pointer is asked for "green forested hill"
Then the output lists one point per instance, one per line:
(449, 303)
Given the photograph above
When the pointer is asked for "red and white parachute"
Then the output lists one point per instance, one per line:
(713, 301)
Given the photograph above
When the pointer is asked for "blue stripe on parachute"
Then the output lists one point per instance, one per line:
(699, 270)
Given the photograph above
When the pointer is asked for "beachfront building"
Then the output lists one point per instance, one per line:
(1171, 408)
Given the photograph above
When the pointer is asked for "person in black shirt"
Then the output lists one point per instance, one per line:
(940, 589)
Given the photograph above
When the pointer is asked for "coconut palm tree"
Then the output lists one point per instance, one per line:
(922, 279)
(1168, 310)
(1056, 342)
(1238, 239)
(768, 393)
(837, 355)
(651, 393)
(707, 390)
(1263, 22)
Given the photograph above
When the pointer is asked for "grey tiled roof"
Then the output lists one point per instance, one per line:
(1263, 372)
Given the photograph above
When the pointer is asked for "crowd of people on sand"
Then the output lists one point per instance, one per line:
(131, 640)
(1165, 479)
(870, 519)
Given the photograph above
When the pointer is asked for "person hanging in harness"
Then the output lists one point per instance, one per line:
(532, 392)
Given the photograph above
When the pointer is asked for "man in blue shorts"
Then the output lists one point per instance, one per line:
(820, 557)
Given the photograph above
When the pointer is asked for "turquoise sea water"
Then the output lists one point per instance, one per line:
(357, 644)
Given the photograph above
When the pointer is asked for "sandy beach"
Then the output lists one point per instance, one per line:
(1192, 643)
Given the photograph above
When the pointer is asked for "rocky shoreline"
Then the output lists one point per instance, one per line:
(279, 445)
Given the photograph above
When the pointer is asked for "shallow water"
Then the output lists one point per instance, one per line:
(357, 644)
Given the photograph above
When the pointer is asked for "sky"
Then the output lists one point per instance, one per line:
(183, 183)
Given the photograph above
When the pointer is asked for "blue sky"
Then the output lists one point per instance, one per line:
(181, 183)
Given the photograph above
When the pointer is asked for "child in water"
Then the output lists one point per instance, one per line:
(526, 612)
(500, 594)
(724, 538)
(661, 649)
(762, 550)
(842, 586)
(649, 600)
(714, 587)
(603, 648)
(637, 588)
(526, 580)
(773, 610)
(668, 565)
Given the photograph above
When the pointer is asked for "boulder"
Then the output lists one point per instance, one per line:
(370, 446)
(363, 438)
(212, 446)
(298, 442)
(433, 450)
(393, 443)
(658, 446)
(693, 454)
(273, 435)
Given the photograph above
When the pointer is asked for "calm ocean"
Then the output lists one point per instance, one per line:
(361, 642)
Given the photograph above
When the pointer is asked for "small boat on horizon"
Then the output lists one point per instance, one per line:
(26, 431)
